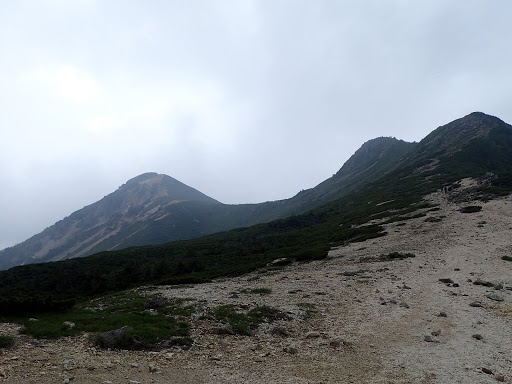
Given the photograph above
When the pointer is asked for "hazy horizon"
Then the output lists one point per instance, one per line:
(245, 101)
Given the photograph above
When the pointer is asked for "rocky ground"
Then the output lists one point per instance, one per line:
(353, 317)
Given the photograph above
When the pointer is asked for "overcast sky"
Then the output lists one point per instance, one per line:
(246, 101)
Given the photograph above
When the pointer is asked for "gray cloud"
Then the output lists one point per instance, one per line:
(244, 100)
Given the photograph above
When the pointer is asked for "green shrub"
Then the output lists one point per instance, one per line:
(6, 341)
(471, 209)
(396, 256)
(507, 258)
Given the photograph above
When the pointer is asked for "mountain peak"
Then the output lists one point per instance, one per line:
(144, 176)
(450, 138)
(109, 222)
(160, 185)
(371, 151)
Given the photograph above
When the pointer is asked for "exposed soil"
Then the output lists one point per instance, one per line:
(369, 324)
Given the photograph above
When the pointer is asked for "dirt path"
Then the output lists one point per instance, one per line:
(371, 323)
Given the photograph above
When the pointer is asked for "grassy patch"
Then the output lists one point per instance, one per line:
(471, 209)
(6, 341)
(245, 323)
(113, 312)
(506, 258)
(179, 307)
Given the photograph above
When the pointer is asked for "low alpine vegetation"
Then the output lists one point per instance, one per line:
(150, 323)
(6, 341)
(245, 323)
(471, 209)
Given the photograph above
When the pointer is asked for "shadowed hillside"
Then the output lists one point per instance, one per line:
(353, 218)
(155, 209)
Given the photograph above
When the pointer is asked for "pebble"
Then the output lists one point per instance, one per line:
(428, 338)
(477, 336)
(40, 358)
(280, 331)
(226, 329)
(67, 379)
(336, 343)
(442, 314)
(312, 335)
(68, 364)
(494, 296)
(291, 350)
(500, 378)
(475, 304)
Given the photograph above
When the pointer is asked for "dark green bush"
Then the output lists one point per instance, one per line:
(6, 341)
(396, 256)
(471, 209)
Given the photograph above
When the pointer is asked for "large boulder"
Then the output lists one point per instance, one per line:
(155, 303)
(118, 338)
